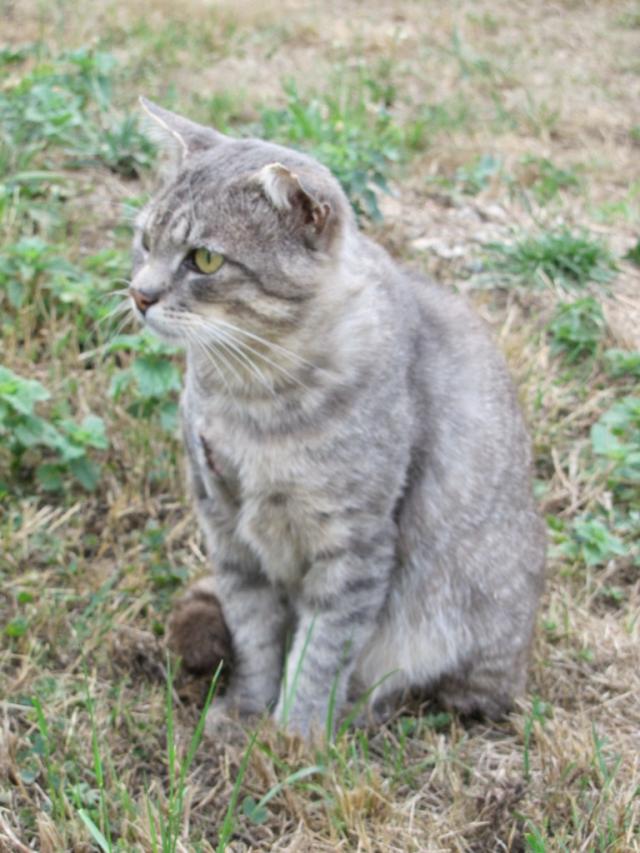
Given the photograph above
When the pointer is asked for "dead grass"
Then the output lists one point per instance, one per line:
(554, 80)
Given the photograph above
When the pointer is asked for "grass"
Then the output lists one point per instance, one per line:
(561, 258)
(577, 328)
(348, 128)
(460, 124)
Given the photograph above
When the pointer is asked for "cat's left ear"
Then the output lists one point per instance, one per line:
(180, 135)
(284, 190)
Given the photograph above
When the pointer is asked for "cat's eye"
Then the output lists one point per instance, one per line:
(146, 245)
(205, 261)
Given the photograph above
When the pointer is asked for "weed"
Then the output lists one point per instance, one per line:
(633, 254)
(256, 811)
(615, 440)
(552, 258)
(121, 146)
(26, 431)
(474, 178)
(576, 328)
(222, 110)
(347, 130)
(226, 830)
(435, 119)
(619, 363)
(170, 828)
(40, 288)
(64, 102)
(592, 542)
(539, 714)
(470, 64)
(541, 118)
(23, 268)
(548, 180)
(625, 207)
(487, 21)
(152, 377)
(534, 839)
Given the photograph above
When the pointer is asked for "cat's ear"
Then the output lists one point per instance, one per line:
(283, 189)
(180, 135)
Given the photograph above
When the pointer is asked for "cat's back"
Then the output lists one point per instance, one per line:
(470, 446)
(458, 378)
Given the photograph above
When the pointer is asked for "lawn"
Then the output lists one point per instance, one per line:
(494, 146)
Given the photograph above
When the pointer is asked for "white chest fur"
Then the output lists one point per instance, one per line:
(274, 515)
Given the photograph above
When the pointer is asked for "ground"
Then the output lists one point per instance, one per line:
(492, 145)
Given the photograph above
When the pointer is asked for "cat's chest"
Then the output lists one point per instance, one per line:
(224, 453)
(264, 485)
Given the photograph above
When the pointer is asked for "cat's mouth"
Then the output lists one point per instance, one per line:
(153, 319)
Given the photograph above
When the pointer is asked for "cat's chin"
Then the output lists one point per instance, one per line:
(163, 331)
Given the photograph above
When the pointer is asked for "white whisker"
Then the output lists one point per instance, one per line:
(121, 291)
(216, 329)
(270, 344)
(274, 364)
(120, 308)
(226, 339)
(189, 323)
(121, 325)
(194, 338)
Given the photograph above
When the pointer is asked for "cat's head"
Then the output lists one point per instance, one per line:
(242, 235)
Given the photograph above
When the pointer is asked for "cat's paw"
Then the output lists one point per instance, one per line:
(223, 723)
(300, 722)
(197, 630)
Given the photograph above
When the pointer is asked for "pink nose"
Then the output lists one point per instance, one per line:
(143, 299)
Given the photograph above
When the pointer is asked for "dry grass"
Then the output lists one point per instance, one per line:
(89, 576)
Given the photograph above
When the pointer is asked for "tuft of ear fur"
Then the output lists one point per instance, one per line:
(283, 189)
(179, 135)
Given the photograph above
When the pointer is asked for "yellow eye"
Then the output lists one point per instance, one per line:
(206, 261)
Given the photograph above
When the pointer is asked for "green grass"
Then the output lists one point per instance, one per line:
(349, 128)
(547, 180)
(553, 258)
(577, 328)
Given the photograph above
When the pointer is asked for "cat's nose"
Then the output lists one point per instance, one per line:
(144, 299)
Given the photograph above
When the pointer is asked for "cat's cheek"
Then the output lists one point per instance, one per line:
(161, 328)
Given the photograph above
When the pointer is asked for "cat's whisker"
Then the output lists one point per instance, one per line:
(121, 325)
(237, 346)
(230, 352)
(194, 338)
(189, 322)
(212, 325)
(121, 291)
(278, 367)
(214, 354)
(228, 343)
(120, 308)
(264, 341)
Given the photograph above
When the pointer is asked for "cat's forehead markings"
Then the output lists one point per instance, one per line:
(170, 226)
(179, 229)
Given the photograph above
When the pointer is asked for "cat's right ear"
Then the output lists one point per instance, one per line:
(177, 135)
(283, 189)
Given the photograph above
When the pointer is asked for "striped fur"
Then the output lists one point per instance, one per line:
(358, 460)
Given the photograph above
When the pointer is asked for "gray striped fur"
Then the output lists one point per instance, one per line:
(358, 459)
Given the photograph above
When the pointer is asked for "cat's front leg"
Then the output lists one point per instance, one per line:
(257, 617)
(342, 596)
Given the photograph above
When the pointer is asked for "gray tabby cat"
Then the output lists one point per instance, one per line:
(358, 459)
